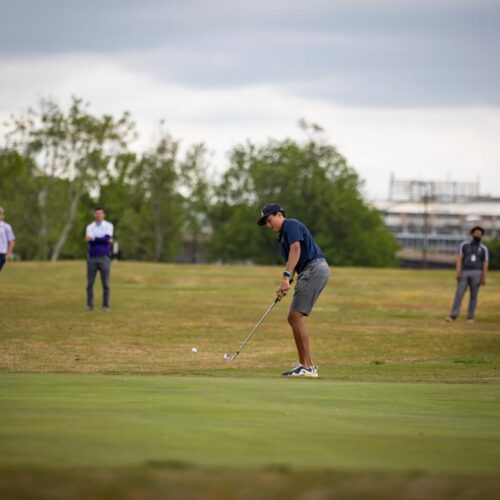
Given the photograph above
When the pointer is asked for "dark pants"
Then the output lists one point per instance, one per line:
(2, 260)
(472, 280)
(103, 265)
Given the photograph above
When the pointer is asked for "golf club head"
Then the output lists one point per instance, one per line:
(228, 357)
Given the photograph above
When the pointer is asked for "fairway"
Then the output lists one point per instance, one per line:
(101, 420)
(405, 403)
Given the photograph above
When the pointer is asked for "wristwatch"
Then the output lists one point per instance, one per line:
(286, 274)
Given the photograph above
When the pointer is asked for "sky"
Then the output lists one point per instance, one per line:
(403, 87)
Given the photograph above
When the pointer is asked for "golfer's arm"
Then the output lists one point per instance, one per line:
(485, 270)
(293, 257)
(458, 264)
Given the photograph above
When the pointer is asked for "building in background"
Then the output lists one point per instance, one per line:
(429, 219)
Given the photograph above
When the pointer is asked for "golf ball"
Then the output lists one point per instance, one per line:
(194, 349)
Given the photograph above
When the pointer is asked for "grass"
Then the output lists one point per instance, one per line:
(89, 420)
(386, 324)
(116, 405)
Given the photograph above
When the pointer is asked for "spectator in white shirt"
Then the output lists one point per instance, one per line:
(6, 239)
(99, 237)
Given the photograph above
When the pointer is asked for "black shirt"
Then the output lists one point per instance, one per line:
(473, 255)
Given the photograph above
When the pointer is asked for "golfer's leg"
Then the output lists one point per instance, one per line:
(296, 320)
(474, 284)
(459, 294)
(309, 286)
(91, 273)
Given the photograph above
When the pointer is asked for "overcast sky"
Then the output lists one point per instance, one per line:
(409, 87)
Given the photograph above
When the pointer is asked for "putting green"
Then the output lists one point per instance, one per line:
(115, 420)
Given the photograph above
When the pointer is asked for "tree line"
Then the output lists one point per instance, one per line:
(56, 165)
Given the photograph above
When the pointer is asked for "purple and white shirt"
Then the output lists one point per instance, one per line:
(101, 233)
(6, 235)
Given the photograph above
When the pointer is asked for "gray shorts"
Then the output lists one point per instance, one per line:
(310, 284)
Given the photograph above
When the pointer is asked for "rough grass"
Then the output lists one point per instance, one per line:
(175, 481)
(368, 325)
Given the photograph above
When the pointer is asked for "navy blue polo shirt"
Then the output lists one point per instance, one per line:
(293, 230)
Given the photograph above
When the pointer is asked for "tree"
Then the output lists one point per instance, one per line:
(494, 252)
(196, 190)
(122, 198)
(313, 181)
(18, 194)
(72, 152)
(157, 199)
(235, 205)
(156, 179)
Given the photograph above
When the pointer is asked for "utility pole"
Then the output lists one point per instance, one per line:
(425, 230)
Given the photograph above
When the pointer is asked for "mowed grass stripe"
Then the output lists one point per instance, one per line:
(102, 420)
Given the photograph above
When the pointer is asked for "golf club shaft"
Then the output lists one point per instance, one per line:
(255, 328)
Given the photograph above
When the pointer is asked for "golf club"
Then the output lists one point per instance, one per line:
(227, 356)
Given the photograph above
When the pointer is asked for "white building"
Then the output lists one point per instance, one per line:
(435, 217)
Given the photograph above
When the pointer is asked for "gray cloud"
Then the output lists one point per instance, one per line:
(384, 53)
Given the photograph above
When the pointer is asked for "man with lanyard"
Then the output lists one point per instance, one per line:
(304, 258)
(472, 270)
(99, 237)
(6, 239)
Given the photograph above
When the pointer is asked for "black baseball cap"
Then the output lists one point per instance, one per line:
(272, 208)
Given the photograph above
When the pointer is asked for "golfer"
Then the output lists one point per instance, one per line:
(305, 259)
(472, 271)
(6, 239)
(99, 237)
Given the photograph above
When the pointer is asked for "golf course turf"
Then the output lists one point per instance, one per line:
(116, 405)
